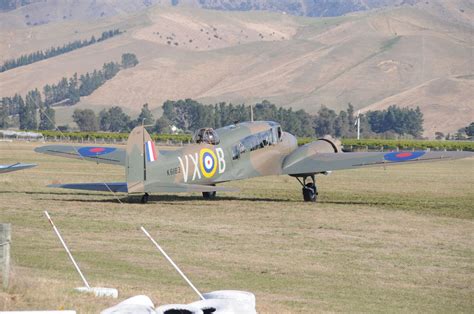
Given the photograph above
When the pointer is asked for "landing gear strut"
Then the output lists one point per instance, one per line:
(144, 198)
(209, 195)
(310, 191)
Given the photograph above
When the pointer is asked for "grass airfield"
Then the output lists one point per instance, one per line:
(399, 239)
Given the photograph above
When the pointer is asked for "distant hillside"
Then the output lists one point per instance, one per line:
(409, 55)
(299, 7)
(295, 7)
(38, 12)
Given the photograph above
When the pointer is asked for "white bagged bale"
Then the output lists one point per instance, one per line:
(242, 296)
(224, 306)
(140, 304)
(99, 291)
(178, 308)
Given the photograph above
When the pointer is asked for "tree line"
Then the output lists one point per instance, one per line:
(27, 111)
(189, 115)
(65, 92)
(111, 120)
(55, 51)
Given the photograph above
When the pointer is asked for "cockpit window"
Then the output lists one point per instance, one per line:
(276, 133)
(256, 141)
(206, 135)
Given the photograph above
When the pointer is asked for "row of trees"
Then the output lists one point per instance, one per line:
(28, 111)
(189, 115)
(111, 120)
(462, 134)
(65, 92)
(55, 51)
(68, 92)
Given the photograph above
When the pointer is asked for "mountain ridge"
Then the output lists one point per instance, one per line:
(372, 58)
(312, 8)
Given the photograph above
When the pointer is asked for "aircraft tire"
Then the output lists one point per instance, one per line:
(144, 198)
(310, 193)
(209, 195)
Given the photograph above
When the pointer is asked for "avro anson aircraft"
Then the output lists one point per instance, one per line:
(235, 152)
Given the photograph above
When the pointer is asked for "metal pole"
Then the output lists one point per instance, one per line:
(358, 125)
(67, 250)
(172, 263)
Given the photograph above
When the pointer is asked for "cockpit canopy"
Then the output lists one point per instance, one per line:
(206, 135)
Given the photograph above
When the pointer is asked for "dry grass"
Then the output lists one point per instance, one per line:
(395, 240)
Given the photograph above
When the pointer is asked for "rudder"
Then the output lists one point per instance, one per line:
(141, 152)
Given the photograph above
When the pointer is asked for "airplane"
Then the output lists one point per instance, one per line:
(235, 152)
(15, 167)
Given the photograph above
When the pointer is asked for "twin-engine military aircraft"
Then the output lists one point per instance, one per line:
(239, 151)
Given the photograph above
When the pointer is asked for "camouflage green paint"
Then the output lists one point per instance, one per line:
(186, 165)
(245, 150)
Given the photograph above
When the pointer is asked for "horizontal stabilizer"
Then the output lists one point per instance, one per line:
(15, 167)
(99, 154)
(104, 187)
(322, 162)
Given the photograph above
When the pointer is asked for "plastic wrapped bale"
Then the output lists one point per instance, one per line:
(99, 291)
(178, 309)
(140, 304)
(241, 296)
(224, 306)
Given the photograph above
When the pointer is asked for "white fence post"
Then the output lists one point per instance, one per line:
(5, 240)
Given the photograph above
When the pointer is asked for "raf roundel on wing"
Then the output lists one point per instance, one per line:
(402, 156)
(93, 151)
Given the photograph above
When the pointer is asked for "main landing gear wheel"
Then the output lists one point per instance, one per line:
(144, 198)
(310, 191)
(209, 195)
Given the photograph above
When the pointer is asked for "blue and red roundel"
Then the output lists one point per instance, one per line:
(207, 162)
(93, 151)
(402, 156)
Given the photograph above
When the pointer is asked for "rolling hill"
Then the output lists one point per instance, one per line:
(420, 54)
(101, 8)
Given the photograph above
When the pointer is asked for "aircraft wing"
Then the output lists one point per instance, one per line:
(100, 186)
(99, 154)
(15, 167)
(139, 188)
(321, 162)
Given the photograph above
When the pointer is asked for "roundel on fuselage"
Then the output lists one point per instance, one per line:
(207, 162)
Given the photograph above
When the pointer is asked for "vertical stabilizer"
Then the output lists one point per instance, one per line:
(141, 152)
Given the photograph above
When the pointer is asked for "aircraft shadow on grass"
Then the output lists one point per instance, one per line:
(53, 193)
(156, 199)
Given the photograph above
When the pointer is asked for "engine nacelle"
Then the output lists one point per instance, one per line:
(326, 144)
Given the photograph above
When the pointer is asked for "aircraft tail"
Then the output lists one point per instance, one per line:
(141, 153)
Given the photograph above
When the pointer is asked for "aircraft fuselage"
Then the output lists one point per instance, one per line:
(245, 150)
